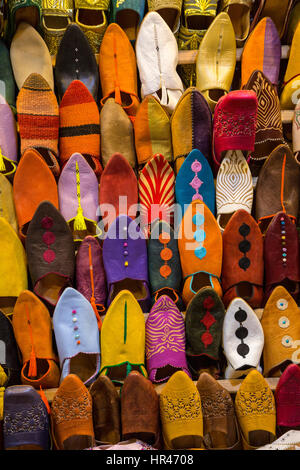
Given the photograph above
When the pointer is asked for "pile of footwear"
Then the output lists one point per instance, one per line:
(149, 208)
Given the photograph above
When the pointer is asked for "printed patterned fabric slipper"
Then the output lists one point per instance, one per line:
(234, 187)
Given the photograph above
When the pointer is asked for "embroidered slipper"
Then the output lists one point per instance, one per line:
(123, 338)
(287, 401)
(13, 268)
(216, 60)
(200, 248)
(92, 19)
(79, 197)
(33, 332)
(128, 14)
(106, 410)
(152, 131)
(196, 19)
(125, 261)
(118, 70)
(234, 124)
(282, 332)
(25, 420)
(290, 94)
(195, 181)
(165, 341)
(156, 185)
(157, 57)
(118, 193)
(242, 264)
(140, 409)
(8, 139)
(7, 205)
(54, 22)
(269, 132)
(181, 413)
(169, 10)
(79, 126)
(234, 187)
(77, 336)
(220, 426)
(90, 275)
(117, 134)
(29, 54)
(203, 328)
(28, 196)
(72, 416)
(10, 361)
(191, 124)
(243, 339)
(255, 410)
(239, 13)
(265, 41)
(279, 173)
(281, 256)
(296, 132)
(50, 253)
(164, 263)
(75, 60)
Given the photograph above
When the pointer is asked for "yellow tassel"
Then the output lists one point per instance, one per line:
(3, 376)
(2, 389)
(32, 371)
(79, 222)
(2, 164)
(43, 397)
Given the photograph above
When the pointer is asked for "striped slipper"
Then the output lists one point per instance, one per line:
(79, 130)
(38, 116)
(234, 189)
(156, 192)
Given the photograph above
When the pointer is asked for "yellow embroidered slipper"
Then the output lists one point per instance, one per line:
(56, 17)
(91, 17)
(281, 325)
(256, 412)
(181, 413)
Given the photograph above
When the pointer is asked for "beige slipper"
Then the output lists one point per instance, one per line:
(29, 54)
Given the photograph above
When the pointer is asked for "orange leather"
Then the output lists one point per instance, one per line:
(200, 261)
(33, 332)
(117, 68)
(33, 183)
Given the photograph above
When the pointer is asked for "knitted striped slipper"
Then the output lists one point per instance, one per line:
(38, 115)
(79, 130)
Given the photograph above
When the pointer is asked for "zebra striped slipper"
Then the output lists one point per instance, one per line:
(234, 187)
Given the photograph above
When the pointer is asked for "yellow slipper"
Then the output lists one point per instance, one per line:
(291, 86)
(216, 60)
(181, 413)
(256, 412)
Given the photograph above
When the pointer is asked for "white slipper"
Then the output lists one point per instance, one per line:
(157, 58)
(243, 338)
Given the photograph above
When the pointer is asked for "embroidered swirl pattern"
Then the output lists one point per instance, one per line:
(260, 402)
(69, 408)
(165, 330)
(184, 407)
